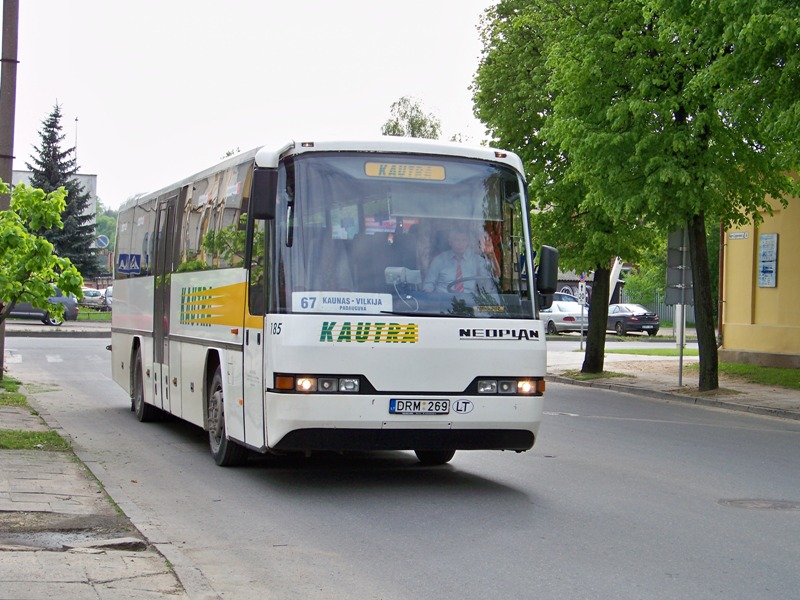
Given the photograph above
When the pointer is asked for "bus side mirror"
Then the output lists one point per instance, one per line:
(264, 193)
(547, 276)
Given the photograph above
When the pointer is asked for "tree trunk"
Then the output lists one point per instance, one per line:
(703, 304)
(598, 316)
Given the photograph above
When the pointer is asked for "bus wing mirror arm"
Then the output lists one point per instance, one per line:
(547, 275)
(264, 193)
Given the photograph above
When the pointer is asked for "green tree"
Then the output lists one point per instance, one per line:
(673, 113)
(28, 267)
(53, 168)
(512, 99)
(106, 223)
(409, 120)
(646, 282)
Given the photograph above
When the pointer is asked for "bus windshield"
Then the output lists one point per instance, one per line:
(369, 233)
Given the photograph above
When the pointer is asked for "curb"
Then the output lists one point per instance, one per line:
(685, 398)
(55, 334)
(71, 329)
(194, 583)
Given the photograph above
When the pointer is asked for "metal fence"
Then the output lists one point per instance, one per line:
(664, 312)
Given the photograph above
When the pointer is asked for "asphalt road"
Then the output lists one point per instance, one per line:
(622, 497)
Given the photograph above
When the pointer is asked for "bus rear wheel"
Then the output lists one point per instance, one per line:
(226, 452)
(434, 457)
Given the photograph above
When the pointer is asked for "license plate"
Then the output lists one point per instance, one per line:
(419, 407)
(647, 326)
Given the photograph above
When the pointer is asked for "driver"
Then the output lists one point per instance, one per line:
(458, 269)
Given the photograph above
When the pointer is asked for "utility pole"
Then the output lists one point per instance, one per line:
(8, 104)
(8, 95)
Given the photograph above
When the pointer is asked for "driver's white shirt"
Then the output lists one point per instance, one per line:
(442, 272)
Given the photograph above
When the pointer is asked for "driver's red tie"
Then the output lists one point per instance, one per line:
(459, 286)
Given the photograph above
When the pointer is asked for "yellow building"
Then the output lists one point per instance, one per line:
(761, 290)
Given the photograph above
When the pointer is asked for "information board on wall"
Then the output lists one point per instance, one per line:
(768, 260)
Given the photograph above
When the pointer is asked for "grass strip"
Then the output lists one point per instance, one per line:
(11, 439)
(90, 314)
(9, 394)
(787, 378)
(578, 376)
(773, 376)
(655, 351)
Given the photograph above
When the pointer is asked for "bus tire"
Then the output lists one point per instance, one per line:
(144, 412)
(226, 452)
(434, 457)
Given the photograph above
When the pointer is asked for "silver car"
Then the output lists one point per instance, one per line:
(565, 316)
(92, 297)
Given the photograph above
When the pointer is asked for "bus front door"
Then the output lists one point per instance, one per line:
(255, 339)
(164, 253)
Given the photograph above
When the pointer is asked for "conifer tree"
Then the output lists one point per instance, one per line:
(51, 169)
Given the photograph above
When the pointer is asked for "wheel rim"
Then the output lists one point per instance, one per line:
(138, 389)
(216, 416)
(551, 328)
(619, 329)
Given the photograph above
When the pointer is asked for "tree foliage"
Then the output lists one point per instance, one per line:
(106, 223)
(659, 112)
(28, 266)
(646, 282)
(513, 98)
(53, 168)
(409, 120)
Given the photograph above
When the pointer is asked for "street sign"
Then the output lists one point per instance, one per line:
(680, 289)
(102, 241)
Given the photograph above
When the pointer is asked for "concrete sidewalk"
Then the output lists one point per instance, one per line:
(60, 534)
(657, 377)
(34, 328)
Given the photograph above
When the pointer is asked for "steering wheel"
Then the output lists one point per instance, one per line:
(454, 283)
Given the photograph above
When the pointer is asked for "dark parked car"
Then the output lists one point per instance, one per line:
(24, 310)
(624, 318)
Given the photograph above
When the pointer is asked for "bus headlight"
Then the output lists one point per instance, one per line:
(487, 386)
(507, 386)
(511, 387)
(307, 384)
(351, 385)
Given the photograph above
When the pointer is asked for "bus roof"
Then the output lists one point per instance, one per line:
(268, 156)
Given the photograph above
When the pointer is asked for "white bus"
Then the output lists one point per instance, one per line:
(298, 300)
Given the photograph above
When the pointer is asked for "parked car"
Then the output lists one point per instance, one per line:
(93, 298)
(108, 295)
(25, 310)
(565, 316)
(564, 297)
(624, 318)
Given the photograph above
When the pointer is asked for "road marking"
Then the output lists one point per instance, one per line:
(560, 414)
(12, 357)
(54, 358)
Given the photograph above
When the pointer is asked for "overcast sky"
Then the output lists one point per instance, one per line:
(163, 88)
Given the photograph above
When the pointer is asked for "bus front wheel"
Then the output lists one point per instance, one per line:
(434, 457)
(144, 412)
(226, 453)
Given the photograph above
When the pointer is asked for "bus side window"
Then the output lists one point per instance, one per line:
(257, 285)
